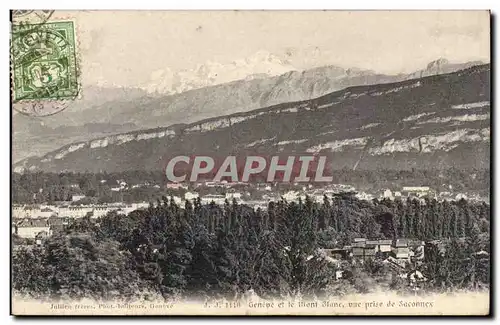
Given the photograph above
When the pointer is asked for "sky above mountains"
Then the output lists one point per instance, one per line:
(151, 49)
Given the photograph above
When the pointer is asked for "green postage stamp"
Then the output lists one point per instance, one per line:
(43, 62)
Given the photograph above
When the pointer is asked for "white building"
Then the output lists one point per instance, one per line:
(100, 211)
(217, 199)
(343, 188)
(291, 196)
(77, 197)
(364, 196)
(75, 211)
(387, 194)
(189, 196)
(140, 205)
(416, 190)
(29, 228)
(176, 186)
(29, 212)
(235, 195)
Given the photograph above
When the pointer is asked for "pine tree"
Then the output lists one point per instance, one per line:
(298, 244)
(201, 273)
(267, 267)
(225, 263)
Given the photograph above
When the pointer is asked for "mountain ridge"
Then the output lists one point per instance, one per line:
(439, 115)
(131, 110)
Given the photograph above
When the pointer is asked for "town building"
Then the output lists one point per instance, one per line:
(364, 196)
(216, 198)
(100, 211)
(381, 245)
(400, 249)
(292, 196)
(30, 228)
(417, 191)
(75, 211)
(233, 195)
(77, 197)
(387, 194)
(176, 186)
(26, 211)
(212, 184)
(189, 196)
(140, 205)
(358, 247)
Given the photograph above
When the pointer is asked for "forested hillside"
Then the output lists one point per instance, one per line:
(224, 251)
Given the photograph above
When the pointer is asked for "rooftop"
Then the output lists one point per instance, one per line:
(26, 223)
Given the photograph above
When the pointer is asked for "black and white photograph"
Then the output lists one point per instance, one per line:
(314, 162)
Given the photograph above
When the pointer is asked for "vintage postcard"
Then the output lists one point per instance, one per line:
(250, 162)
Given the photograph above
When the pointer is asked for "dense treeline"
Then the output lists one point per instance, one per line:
(37, 187)
(224, 251)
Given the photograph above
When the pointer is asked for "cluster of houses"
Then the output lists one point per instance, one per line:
(401, 249)
(66, 210)
(420, 192)
(317, 195)
(30, 221)
(35, 221)
(221, 199)
(401, 255)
